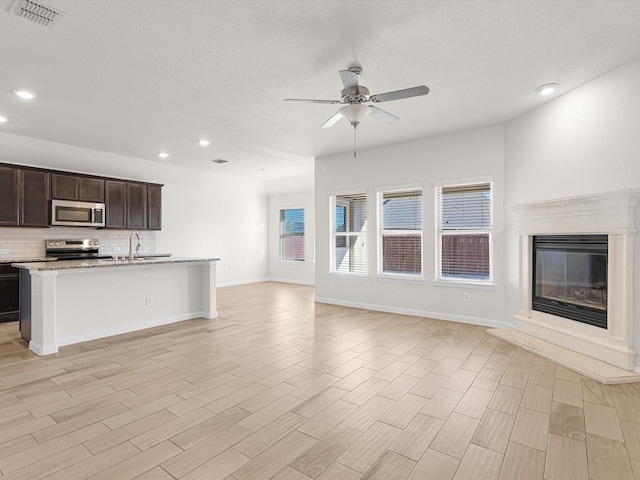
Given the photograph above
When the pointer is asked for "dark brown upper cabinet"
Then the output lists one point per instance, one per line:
(9, 190)
(91, 189)
(154, 207)
(26, 192)
(77, 187)
(136, 205)
(64, 187)
(34, 198)
(116, 204)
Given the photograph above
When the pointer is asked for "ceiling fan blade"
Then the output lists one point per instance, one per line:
(350, 81)
(382, 115)
(305, 100)
(398, 94)
(333, 120)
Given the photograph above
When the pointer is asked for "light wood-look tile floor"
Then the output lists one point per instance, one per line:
(281, 388)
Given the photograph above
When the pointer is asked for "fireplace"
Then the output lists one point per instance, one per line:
(586, 255)
(570, 277)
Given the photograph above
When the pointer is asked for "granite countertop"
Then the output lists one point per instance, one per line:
(26, 259)
(102, 263)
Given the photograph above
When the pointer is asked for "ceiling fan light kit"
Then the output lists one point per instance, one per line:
(354, 95)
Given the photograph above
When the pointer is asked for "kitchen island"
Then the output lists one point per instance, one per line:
(67, 302)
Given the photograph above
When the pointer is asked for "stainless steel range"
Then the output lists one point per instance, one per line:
(75, 249)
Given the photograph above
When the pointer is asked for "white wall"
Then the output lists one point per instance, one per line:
(586, 141)
(476, 153)
(203, 214)
(286, 271)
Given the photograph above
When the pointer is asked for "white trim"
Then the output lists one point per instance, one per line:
(356, 276)
(290, 280)
(119, 330)
(242, 282)
(417, 313)
(463, 284)
(400, 188)
(463, 181)
(42, 350)
(354, 191)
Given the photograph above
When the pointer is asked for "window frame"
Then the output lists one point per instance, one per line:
(469, 182)
(283, 235)
(334, 202)
(380, 234)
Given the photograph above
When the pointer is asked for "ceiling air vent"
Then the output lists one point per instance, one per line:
(37, 12)
(219, 160)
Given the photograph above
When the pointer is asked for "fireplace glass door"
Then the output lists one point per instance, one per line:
(570, 277)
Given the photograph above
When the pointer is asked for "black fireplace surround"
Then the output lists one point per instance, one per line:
(570, 277)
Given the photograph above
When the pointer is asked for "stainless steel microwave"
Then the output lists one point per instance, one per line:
(77, 214)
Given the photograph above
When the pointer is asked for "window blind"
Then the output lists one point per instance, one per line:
(349, 233)
(401, 233)
(466, 207)
(292, 234)
(464, 231)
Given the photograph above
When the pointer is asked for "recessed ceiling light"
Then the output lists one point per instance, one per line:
(163, 154)
(24, 94)
(3, 119)
(204, 142)
(264, 170)
(547, 88)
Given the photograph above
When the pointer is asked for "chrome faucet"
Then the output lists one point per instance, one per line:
(131, 246)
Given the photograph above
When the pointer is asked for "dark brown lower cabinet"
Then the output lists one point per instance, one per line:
(9, 293)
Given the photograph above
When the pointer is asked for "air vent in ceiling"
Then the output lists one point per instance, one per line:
(37, 12)
(219, 160)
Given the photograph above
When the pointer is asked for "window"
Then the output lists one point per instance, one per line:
(349, 233)
(464, 221)
(400, 232)
(292, 234)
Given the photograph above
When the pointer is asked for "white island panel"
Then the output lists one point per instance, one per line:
(72, 305)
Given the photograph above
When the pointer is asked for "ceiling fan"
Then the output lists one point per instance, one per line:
(355, 96)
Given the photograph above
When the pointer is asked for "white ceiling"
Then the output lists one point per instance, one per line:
(135, 77)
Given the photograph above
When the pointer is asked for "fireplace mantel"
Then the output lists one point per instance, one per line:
(611, 213)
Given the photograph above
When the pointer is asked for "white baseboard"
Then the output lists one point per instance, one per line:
(109, 332)
(296, 282)
(487, 322)
(242, 282)
(42, 350)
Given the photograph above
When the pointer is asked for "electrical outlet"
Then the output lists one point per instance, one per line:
(465, 296)
(149, 300)
(331, 284)
(4, 251)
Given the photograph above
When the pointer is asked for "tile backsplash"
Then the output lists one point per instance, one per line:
(29, 242)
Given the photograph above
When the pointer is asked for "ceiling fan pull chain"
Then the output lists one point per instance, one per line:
(355, 130)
